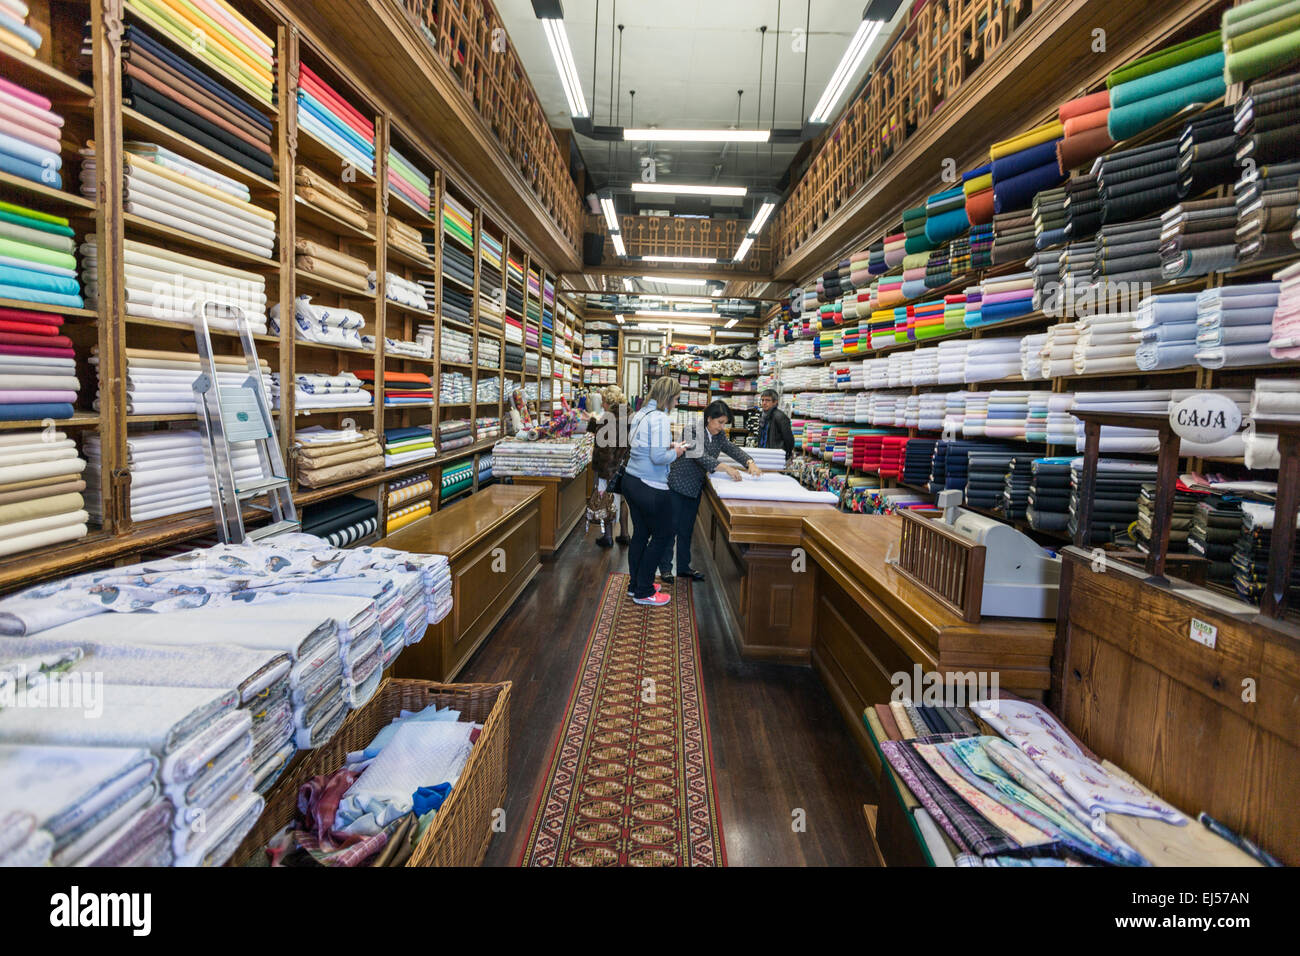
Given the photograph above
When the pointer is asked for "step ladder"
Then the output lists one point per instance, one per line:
(233, 414)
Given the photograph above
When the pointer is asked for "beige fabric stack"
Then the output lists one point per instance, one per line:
(326, 263)
(324, 195)
(326, 456)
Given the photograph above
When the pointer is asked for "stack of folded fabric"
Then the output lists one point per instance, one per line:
(38, 371)
(1047, 504)
(455, 433)
(514, 354)
(1250, 558)
(408, 501)
(1031, 356)
(1198, 237)
(320, 390)
(169, 472)
(1258, 38)
(41, 487)
(487, 428)
(1049, 420)
(1206, 150)
(1138, 182)
(322, 324)
(455, 388)
(399, 289)
(29, 142)
(1166, 331)
(1235, 324)
(1180, 524)
(1262, 121)
(945, 215)
(1160, 84)
(914, 230)
(458, 265)
(981, 246)
(407, 239)
(1266, 199)
(401, 515)
(917, 460)
(1106, 344)
(1115, 497)
(328, 455)
(409, 184)
(952, 361)
(988, 360)
(400, 388)
(421, 348)
(1083, 121)
(327, 116)
(1284, 340)
(405, 445)
(36, 258)
(167, 285)
(341, 521)
(1141, 441)
(1074, 275)
(1024, 165)
(561, 457)
(457, 222)
(457, 347)
(1049, 217)
(317, 190)
(986, 480)
(860, 266)
(1015, 488)
(181, 198)
(894, 251)
(1213, 533)
(1008, 414)
(212, 93)
(1127, 252)
(491, 286)
(489, 390)
(915, 268)
(1082, 207)
(321, 261)
(977, 190)
(457, 305)
(1013, 237)
(456, 479)
(159, 382)
(1003, 298)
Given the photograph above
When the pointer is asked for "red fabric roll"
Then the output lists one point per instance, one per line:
(33, 350)
(28, 328)
(1079, 124)
(1076, 151)
(41, 341)
(1084, 104)
(979, 207)
(27, 315)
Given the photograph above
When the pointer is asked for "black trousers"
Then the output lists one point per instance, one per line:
(684, 511)
(652, 528)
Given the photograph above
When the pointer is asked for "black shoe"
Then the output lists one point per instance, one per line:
(693, 575)
(605, 541)
(623, 539)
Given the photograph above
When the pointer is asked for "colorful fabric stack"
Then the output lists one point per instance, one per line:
(212, 93)
(314, 390)
(1158, 85)
(914, 271)
(456, 479)
(945, 215)
(409, 184)
(36, 262)
(29, 142)
(1025, 165)
(914, 230)
(1258, 38)
(562, 457)
(1004, 298)
(895, 248)
(1235, 324)
(977, 190)
(15, 33)
(405, 445)
(455, 433)
(1284, 340)
(400, 388)
(38, 369)
(1083, 120)
(328, 117)
(41, 488)
(456, 346)
(455, 388)
(491, 288)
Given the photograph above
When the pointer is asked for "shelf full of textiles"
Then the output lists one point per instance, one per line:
(1129, 259)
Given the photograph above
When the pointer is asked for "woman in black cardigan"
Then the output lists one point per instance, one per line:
(687, 476)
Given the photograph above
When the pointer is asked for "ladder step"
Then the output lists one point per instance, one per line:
(260, 487)
(271, 530)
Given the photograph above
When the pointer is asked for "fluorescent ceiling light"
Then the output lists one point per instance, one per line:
(673, 280)
(744, 248)
(760, 220)
(697, 299)
(627, 284)
(731, 323)
(666, 314)
(716, 292)
(685, 190)
(849, 64)
(733, 335)
(701, 261)
(563, 56)
(620, 319)
(611, 217)
(699, 135)
(618, 244)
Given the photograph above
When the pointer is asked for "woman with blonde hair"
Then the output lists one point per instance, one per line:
(645, 485)
(608, 419)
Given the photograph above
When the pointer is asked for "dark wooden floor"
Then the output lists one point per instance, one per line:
(790, 781)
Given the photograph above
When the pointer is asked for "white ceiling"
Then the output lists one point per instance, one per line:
(686, 59)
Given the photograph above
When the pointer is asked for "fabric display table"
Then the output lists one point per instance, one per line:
(208, 697)
(469, 532)
(326, 455)
(42, 488)
(37, 263)
(30, 133)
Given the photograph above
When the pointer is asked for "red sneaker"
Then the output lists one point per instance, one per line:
(658, 599)
(658, 587)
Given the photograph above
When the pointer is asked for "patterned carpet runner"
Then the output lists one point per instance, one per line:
(631, 778)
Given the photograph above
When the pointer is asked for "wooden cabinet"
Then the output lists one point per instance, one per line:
(562, 505)
(491, 543)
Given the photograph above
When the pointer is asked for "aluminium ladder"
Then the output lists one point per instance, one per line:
(239, 413)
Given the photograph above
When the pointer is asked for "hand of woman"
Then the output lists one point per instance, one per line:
(678, 447)
(753, 468)
(733, 472)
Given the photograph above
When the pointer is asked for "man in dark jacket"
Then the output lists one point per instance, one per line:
(774, 430)
(707, 438)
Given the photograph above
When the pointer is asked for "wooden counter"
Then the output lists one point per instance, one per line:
(756, 549)
(563, 503)
(872, 622)
(491, 542)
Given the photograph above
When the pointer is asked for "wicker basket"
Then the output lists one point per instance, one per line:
(462, 828)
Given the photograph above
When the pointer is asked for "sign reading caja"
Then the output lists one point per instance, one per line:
(1205, 417)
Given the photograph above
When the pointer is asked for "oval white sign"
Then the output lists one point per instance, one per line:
(1205, 417)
